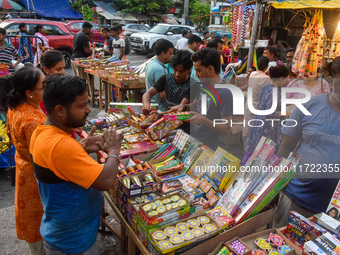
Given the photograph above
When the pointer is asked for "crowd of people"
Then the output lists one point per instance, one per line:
(58, 196)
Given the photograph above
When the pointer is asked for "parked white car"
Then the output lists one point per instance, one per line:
(144, 42)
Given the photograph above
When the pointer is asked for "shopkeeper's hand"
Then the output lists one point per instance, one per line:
(158, 115)
(177, 108)
(112, 141)
(146, 109)
(92, 143)
(195, 119)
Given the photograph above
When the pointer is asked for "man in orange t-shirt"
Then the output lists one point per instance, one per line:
(69, 180)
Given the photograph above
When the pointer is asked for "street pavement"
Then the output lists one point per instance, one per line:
(9, 243)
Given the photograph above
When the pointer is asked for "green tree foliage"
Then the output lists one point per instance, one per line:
(143, 6)
(198, 9)
(84, 9)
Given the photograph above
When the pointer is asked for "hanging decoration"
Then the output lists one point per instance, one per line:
(308, 55)
(333, 48)
(245, 22)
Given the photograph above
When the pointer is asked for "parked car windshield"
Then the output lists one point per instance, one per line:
(159, 30)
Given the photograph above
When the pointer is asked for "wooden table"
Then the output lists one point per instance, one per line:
(105, 88)
(133, 240)
(79, 70)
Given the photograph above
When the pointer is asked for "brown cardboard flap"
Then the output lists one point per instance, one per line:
(247, 227)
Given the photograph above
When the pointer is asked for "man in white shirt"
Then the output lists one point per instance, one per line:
(183, 42)
(271, 53)
(118, 44)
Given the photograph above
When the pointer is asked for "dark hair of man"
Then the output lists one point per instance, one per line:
(24, 79)
(225, 36)
(185, 32)
(162, 45)
(182, 57)
(272, 49)
(106, 29)
(335, 67)
(208, 57)
(51, 58)
(278, 72)
(62, 90)
(21, 26)
(213, 43)
(115, 28)
(2, 31)
(262, 63)
(194, 38)
(87, 25)
(290, 50)
(150, 55)
(38, 27)
(205, 32)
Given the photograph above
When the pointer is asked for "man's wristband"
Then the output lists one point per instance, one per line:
(113, 156)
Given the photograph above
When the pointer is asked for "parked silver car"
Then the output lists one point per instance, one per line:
(144, 42)
(134, 28)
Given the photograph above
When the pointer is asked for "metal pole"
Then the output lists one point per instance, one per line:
(253, 35)
(186, 11)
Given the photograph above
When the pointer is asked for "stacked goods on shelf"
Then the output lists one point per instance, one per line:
(263, 177)
(301, 230)
(309, 51)
(326, 244)
(183, 233)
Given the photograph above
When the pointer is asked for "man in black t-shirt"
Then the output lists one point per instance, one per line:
(177, 86)
(108, 49)
(81, 47)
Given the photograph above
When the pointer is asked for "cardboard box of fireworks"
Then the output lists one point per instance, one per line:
(243, 229)
(137, 184)
(271, 240)
(182, 233)
(134, 204)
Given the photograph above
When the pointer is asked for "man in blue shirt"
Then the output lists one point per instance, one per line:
(219, 105)
(156, 68)
(319, 135)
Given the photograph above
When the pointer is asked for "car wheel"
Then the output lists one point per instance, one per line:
(137, 51)
(67, 57)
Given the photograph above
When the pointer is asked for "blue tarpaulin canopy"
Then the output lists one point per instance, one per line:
(52, 8)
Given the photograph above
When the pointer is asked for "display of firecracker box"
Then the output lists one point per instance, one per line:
(222, 247)
(161, 128)
(223, 219)
(327, 244)
(141, 123)
(177, 116)
(175, 236)
(138, 149)
(152, 183)
(286, 248)
(165, 217)
(163, 207)
(300, 230)
(143, 230)
(239, 241)
(134, 203)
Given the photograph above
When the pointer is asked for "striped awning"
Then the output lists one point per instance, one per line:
(306, 4)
